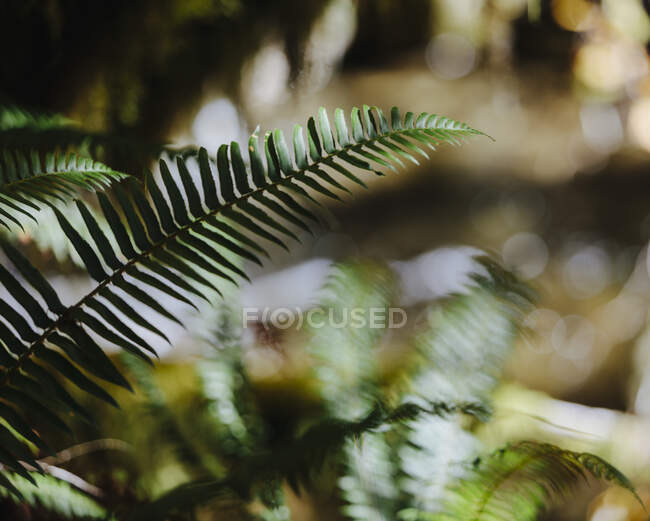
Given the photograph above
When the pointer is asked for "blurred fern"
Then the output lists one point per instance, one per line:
(24, 131)
(417, 437)
(13, 117)
(345, 365)
(459, 356)
(27, 186)
(345, 368)
(297, 461)
(35, 169)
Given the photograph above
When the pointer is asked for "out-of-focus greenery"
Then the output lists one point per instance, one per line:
(218, 429)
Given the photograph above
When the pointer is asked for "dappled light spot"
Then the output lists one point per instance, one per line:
(217, 122)
(573, 337)
(451, 56)
(526, 253)
(265, 77)
(602, 127)
(575, 15)
(587, 272)
(638, 122)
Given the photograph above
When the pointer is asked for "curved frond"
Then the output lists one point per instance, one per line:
(368, 486)
(28, 184)
(177, 240)
(519, 481)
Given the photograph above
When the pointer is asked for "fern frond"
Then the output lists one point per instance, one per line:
(519, 481)
(56, 496)
(169, 429)
(275, 508)
(231, 411)
(27, 185)
(225, 388)
(45, 235)
(178, 244)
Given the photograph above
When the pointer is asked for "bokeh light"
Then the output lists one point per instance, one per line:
(451, 56)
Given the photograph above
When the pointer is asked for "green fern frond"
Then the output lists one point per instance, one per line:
(169, 428)
(275, 507)
(177, 240)
(56, 496)
(225, 388)
(518, 482)
(45, 235)
(230, 408)
(27, 184)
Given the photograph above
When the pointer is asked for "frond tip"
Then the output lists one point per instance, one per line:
(518, 482)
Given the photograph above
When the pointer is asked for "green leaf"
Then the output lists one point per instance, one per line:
(69, 371)
(282, 151)
(189, 187)
(341, 128)
(257, 165)
(21, 295)
(239, 169)
(226, 186)
(87, 254)
(300, 152)
(178, 204)
(326, 131)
